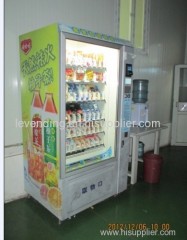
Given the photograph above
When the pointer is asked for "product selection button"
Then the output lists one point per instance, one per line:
(84, 190)
(92, 187)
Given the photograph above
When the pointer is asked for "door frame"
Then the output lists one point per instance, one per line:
(175, 112)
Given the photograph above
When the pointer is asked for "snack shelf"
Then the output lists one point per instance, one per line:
(82, 163)
(81, 101)
(87, 134)
(78, 124)
(84, 73)
(85, 81)
(86, 150)
(85, 68)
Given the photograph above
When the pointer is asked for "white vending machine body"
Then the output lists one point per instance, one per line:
(83, 85)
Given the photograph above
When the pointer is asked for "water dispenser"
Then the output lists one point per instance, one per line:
(139, 108)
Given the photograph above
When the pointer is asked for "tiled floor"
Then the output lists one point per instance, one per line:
(143, 204)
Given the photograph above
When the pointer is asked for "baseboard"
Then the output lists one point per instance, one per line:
(16, 198)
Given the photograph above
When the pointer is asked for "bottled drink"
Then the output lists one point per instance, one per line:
(88, 112)
(35, 161)
(85, 93)
(97, 111)
(36, 112)
(93, 112)
(50, 129)
(84, 113)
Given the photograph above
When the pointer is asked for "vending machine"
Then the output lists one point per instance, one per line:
(76, 106)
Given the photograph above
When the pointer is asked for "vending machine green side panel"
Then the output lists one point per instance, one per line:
(39, 73)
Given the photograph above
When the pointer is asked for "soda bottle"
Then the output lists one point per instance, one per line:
(93, 112)
(84, 113)
(97, 111)
(85, 93)
(79, 115)
(88, 112)
(80, 93)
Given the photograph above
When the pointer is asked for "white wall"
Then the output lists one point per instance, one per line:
(168, 21)
(23, 16)
(14, 185)
(166, 49)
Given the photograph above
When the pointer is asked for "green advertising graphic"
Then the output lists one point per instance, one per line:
(39, 68)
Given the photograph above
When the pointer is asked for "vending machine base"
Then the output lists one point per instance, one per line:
(79, 191)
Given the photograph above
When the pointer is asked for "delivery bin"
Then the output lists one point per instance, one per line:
(152, 167)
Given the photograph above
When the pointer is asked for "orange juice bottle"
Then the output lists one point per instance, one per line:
(36, 112)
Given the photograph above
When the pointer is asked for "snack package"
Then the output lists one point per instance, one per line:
(70, 73)
(80, 73)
